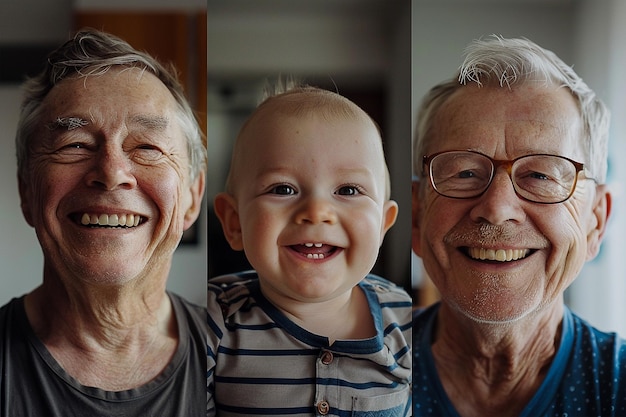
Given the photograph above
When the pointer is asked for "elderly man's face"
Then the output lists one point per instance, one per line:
(496, 257)
(108, 188)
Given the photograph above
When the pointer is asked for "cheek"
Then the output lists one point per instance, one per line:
(259, 224)
(165, 188)
(436, 220)
(568, 242)
(365, 227)
(47, 187)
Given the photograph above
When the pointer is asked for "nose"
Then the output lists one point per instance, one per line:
(316, 210)
(499, 203)
(111, 170)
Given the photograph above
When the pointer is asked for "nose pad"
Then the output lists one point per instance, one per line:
(500, 202)
(508, 168)
(498, 181)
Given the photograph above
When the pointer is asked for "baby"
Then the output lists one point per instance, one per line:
(309, 331)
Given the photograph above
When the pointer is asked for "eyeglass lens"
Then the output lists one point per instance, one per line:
(538, 178)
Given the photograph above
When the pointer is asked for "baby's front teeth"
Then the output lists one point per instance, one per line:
(113, 220)
(310, 245)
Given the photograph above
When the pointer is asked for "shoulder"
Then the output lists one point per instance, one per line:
(191, 311)
(385, 290)
(12, 312)
(230, 293)
(387, 299)
(608, 345)
(232, 287)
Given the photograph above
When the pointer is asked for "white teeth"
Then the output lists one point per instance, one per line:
(113, 220)
(315, 256)
(310, 245)
(501, 255)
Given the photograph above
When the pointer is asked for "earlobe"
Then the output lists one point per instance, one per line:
(197, 192)
(601, 212)
(226, 210)
(390, 214)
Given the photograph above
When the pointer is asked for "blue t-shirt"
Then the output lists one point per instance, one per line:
(586, 378)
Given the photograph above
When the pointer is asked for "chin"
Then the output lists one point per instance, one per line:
(494, 315)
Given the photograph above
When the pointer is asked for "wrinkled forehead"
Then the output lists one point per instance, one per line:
(118, 91)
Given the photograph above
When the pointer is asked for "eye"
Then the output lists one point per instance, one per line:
(73, 148)
(349, 190)
(148, 152)
(538, 176)
(466, 174)
(282, 189)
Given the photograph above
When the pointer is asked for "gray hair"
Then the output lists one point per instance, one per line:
(88, 53)
(510, 61)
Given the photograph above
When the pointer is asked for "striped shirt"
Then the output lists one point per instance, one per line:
(262, 364)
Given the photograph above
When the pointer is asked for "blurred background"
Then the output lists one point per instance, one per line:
(586, 34)
(171, 30)
(358, 48)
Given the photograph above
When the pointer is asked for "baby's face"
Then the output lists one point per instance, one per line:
(311, 202)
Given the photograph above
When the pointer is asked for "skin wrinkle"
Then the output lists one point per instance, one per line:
(498, 326)
(127, 328)
(491, 313)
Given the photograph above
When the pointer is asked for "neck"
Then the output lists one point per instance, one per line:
(346, 316)
(77, 300)
(507, 361)
(97, 331)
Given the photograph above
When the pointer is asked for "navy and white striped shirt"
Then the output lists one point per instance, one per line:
(262, 364)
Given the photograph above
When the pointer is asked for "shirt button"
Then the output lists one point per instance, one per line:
(327, 358)
(323, 408)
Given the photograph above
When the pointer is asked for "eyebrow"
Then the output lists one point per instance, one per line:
(71, 123)
(150, 122)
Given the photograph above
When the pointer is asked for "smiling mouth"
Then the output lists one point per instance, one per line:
(316, 251)
(127, 220)
(497, 255)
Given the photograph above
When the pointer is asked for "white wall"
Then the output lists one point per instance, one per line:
(586, 34)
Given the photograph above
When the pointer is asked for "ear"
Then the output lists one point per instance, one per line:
(225, 207)
(196, 191)
(390, 214)
(25, 200)
(601, 211)
(415, 220)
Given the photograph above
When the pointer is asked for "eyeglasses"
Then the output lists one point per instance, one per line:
(540, 178)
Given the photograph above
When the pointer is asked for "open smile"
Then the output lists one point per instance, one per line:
(496, 255)
(315, 251)
(122, 220)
